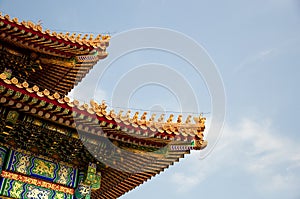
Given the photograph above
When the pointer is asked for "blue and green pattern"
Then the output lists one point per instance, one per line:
(17, 189)
(3, 152)
(42, 169)
(82, 191)
(26, 165)
(91, 180)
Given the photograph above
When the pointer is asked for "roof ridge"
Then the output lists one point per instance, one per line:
(154, 124)
(87, 39)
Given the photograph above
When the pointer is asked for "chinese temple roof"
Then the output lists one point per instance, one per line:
(38, 68)
(94, 118)
(144, 143)
(55, 61)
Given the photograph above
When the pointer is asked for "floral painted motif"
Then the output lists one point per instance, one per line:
(82, 191)
(22, 190)
(63, 175)
(36, 182)
(37, 193)
(59, 195)
(41, 168)
(44, 168)
(23, 164)
(17, 188)
(3, 152)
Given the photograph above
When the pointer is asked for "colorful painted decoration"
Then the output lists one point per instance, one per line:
(83, 191)
(18, 189)
(37, 182)
(90, 176)
(3, 152)
(97, 182)
(8, 73)
(12, 116)
(29, 177)
(88, 181)
(43, 169)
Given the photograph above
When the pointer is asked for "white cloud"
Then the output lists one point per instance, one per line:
(185, 183)
(258, 57)
(256, 149)
(265, 53)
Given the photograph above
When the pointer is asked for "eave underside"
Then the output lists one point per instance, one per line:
(62, 61)
(124, 170)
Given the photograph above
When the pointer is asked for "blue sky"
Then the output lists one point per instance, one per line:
(255, 46)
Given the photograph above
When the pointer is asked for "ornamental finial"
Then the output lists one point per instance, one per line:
(152, 117)
(188, 119)
(103, 106)
(170, 118)
(179, 119)
(161, 118)
(135, 117)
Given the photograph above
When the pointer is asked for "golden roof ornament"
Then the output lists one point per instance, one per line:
(135, 117)
(188, 119)
(179, 119)
(170, 118)
(120, 114)
(161, 118)
(103, 107)
(143, 119)
(152, 119)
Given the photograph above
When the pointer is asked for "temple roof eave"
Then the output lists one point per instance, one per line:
(32, 36)
(90, 117)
